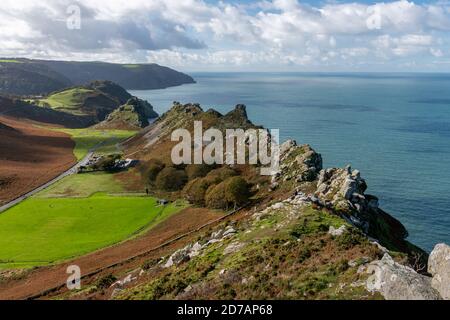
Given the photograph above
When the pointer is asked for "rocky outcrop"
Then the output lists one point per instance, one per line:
(298, 163)
(343, 191)
(439, 267)
(194, 249)
(135, 114)
(397, 282)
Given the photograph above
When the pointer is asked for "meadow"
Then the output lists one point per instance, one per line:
(83, 185)
(88, 139)
(10, 61)
(42, 231)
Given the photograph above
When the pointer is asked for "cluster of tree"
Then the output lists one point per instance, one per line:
(202, 185)
(106, 163)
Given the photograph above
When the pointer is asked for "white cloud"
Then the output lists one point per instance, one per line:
(196, 34)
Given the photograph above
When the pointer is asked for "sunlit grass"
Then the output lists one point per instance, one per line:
(42, 231)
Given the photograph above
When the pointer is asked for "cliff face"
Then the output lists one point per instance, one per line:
(40, 77)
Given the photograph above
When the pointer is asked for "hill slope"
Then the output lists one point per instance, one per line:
(25, 78)
(92, 102)
(132, 115)
(25, 111)
(30, 156)
(40, 77)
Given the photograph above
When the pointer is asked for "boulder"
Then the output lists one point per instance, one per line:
(337, 232)
(397, 282)
(179, 257)
(439, 267)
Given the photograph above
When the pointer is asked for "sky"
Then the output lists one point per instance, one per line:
(235, 35)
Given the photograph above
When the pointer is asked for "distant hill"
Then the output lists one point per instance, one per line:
(96, 99)
(133, 115)
(19, 109)
(26, 78)
(40, 77)
(77, 107)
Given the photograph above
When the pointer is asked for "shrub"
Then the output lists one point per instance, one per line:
(171, 179)
(106, 281)
(232, 192)
(195, 191)
(194, 171)
(215, 197)
(153, 169)
(106, 163)
(221, 174)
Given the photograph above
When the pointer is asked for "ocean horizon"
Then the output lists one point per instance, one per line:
(393, 127)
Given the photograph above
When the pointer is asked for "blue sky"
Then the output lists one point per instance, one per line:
(237, 35)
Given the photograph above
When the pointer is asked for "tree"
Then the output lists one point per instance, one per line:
(195, 191)
(153, 169)
(221, 174)
(194, 171)
(171, 179)
(106, 163)
(237, 191)
(215, 197)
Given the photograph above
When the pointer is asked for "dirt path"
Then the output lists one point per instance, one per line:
(45, 278)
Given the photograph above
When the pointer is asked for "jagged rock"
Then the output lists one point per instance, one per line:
(397, 282)
(337, 232)
(286, 146)
(343, 190)
(179, 257)
(301, 163)
(439, 267)
(195, 250)
(229, 232)
(121, 283)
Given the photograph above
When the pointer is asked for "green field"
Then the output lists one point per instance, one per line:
(131, 66)
(83, 185)
(87, 139)
(70, 100)
(9, 61)
(42, 231)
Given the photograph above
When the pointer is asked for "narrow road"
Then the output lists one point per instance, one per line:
(69, 172)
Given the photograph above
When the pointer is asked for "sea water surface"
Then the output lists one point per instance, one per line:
(394, 128)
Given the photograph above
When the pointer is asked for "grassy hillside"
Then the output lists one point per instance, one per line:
(40, 231)
(24, 110)
(98, 100)
(71, 100)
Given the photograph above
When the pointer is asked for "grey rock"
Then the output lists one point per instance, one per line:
(337, 232)
(397, 282)
(439, 267)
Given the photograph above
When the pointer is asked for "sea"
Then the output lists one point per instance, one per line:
(393, 127)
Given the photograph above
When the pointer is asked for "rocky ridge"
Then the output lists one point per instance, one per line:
(315, 234)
